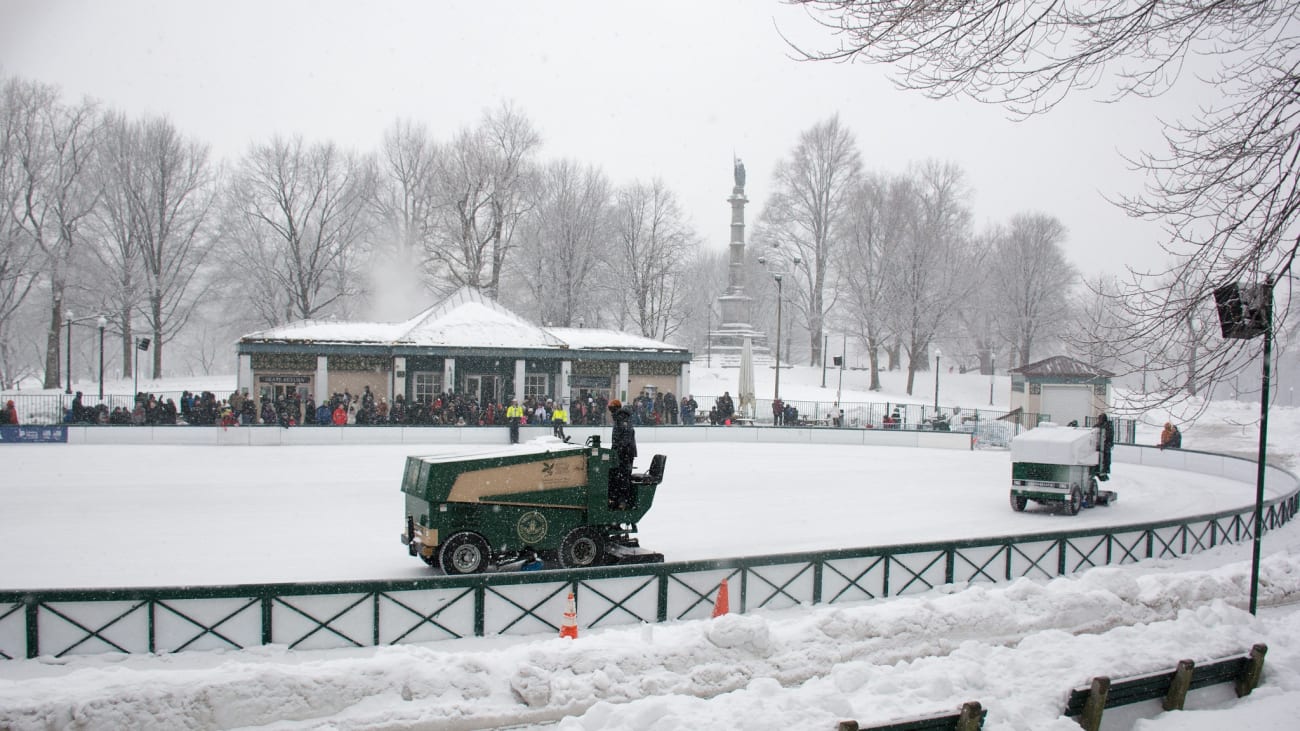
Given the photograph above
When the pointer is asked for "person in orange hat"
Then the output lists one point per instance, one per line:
(623, 441)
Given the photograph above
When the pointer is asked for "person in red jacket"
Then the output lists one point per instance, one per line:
(340, 415)
(10, 415)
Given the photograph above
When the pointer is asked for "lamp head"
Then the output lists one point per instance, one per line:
(68, 314)
(102, 321)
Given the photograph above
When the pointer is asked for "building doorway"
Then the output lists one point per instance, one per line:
(485, 389)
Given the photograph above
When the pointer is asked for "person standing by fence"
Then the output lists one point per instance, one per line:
(514, 415)
(558, 418)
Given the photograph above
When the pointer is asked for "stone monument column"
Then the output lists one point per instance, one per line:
(736, 306)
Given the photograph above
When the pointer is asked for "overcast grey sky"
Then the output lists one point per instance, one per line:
(667, 89)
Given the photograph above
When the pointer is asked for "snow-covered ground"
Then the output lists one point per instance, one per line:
(1016, 648)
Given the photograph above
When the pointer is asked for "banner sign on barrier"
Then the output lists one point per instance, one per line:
(33, 434)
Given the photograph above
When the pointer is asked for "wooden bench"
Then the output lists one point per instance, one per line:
(969, 718)
(1087, 704)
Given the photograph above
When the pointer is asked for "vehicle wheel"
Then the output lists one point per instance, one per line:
(1018, 503)
(583, 547)
(1076, 500)
(1094, 490)
(464, 553)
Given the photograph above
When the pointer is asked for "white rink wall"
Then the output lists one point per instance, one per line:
(360, 435)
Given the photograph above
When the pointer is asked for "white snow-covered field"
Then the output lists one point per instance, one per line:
(105, 516)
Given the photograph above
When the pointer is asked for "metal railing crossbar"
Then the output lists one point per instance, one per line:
(618, 604)
(422, 618)
(526, 612)
(917, 576)
(326, 624)
(205, 629)
(780, 589)
(854, 582)
(93, 634)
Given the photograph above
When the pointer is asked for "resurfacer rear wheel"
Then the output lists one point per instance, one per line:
(581, 548)
(1018, 503)
(464, 553)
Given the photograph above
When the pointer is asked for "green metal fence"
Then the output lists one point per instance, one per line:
(59, 623)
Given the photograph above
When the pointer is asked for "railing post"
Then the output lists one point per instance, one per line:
(267, 634)
(1179, 686)
(1090, 719)
(663, 597)
(817, 580)
(33, 624)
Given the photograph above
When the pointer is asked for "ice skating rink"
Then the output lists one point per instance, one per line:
(106, 516)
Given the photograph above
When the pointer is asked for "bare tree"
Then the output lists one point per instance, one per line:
(653, 244)
(1227, 187)
(52, 147)
(483, 183)
(930, 280)
(157, 191)
(116, 244)
(300, 228)
(564, 239)
(19, 265)
(808, 211)
(877, 226)
(1032, 280)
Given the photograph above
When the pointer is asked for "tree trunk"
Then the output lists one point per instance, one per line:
(53, 351)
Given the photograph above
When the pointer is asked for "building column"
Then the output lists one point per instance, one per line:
(565, 389)
(399, 378)
(322, 379)
(684, 381)
(620, 388)
(244, 379)
(520, 366)
(449, 374)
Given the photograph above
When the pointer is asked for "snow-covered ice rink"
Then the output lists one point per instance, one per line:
(102, 516)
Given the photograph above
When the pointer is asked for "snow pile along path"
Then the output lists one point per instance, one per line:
(1016, 648)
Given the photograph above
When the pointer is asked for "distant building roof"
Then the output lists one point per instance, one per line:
(1061, 366)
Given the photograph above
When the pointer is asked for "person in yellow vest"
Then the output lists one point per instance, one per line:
(558, 419)
(514, 415)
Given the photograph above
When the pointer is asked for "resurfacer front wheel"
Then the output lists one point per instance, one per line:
(464, 553)
(581, 548)
(1076, 500)
(1018, 503)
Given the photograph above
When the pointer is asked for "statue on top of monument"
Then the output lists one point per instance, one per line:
(740, 173)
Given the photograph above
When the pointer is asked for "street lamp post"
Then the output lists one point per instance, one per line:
(936, 382)
(777, 394)
(103, 323)
(68, 314)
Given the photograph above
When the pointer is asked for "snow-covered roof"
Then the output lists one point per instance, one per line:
(329, 331)
(591, 338)
(1061, 366)
(466, 319)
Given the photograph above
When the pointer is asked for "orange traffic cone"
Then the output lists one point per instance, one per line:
(569, 627)
(722, 604)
